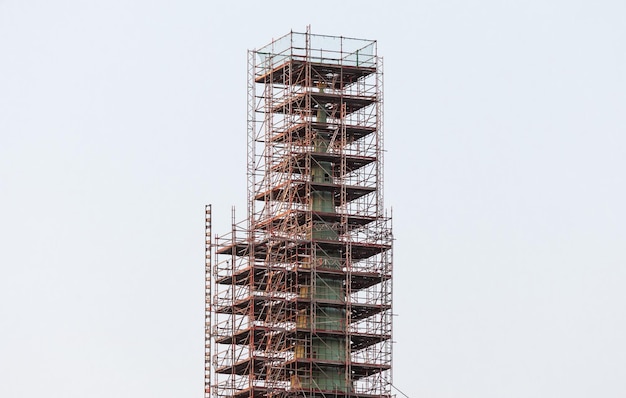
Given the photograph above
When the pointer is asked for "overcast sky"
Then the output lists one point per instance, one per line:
(506, 157)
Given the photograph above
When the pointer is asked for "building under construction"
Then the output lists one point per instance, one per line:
(299, 294)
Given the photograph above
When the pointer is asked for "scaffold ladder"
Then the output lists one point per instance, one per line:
(208, 308)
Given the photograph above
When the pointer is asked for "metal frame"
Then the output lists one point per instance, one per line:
(300, 293)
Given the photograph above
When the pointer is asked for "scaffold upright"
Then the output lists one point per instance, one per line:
(299, 294)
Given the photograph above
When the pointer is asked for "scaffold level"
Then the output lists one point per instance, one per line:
(299, 294)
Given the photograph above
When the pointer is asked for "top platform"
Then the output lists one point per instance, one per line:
(329, 54)
(330, 75)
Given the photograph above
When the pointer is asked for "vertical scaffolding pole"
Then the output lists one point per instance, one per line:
(208, 307)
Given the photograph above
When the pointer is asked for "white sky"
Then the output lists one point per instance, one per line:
(505, 129)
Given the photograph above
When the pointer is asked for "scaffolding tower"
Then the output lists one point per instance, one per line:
(299, 294)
